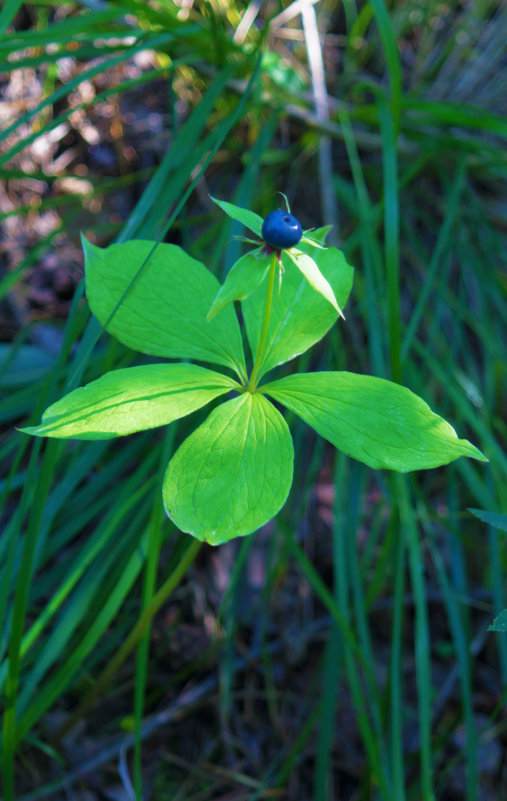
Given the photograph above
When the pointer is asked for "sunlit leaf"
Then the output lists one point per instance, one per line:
(233, 474)
(373, 420)
(132, 399)
(162, 310)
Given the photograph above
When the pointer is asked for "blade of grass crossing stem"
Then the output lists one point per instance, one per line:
(391, 233)
(396, 656)
(134, 635)
(421, 636)
(154, 541)
(47, 467)
(94, 330)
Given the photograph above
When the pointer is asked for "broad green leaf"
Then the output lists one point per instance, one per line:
(162, 310)
(242, 279)
(495, 519)
(373, 420)
(500, 622)
(132, 399)
(233, 474)
(307, 266)
(300, 316)
(248, 218)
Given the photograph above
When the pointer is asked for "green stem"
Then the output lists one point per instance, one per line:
(264, 333)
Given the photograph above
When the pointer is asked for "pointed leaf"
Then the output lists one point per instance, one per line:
(373, 420)
(300, 316)
(242, 279)
(164, 311)
(132, 399)
(313, 275)
(233, 474)
(495, 519)
(317, 235)
(500, 622)
(248, 218)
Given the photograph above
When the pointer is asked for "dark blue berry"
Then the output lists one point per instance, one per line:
(281, 229)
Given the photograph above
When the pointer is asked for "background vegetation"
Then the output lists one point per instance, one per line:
(342, 652)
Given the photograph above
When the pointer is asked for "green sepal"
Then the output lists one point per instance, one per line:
(248, 218)
(160, 309)
(307, 240)
(308, 267)
(242, 279)
(300, 316)
(317, 236)
(373, 420)
(132, 399)
(233, 474)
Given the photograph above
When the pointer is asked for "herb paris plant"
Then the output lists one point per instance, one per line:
(234, 472)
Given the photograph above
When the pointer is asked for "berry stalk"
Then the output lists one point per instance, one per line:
(252, 384)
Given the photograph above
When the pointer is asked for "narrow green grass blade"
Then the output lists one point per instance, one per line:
(390, 47)
(154, 541)
(391, 232)
(8, 12)
(459, 634)
(18, 620)
(396, 661)
(441, 246)
(421, 639)
(64, 90)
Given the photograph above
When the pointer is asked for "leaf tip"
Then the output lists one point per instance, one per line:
(32, 430)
